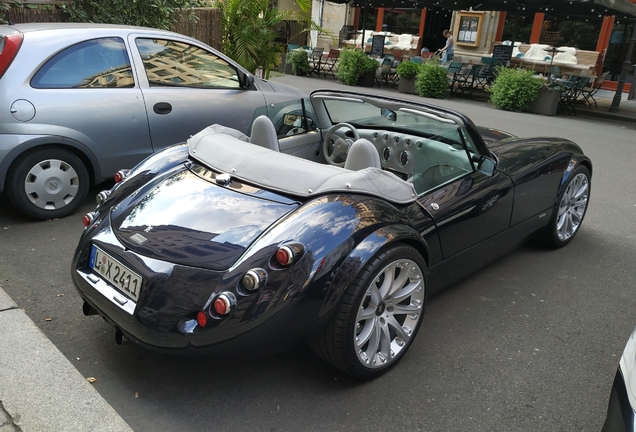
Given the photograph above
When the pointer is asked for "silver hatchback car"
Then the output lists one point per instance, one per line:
(80, 101)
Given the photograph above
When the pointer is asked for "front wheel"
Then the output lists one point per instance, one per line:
(379, 315)
(47, 183)
(569, 210)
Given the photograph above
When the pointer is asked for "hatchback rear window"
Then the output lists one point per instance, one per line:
(97, 63)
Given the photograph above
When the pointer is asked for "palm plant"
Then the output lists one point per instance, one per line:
(249, 35)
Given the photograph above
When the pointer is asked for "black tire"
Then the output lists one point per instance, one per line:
(570, 208)
(337, 343)
(47, 183)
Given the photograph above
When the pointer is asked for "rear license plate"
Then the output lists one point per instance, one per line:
(124, 279)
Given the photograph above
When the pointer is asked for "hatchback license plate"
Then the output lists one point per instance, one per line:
(116, 273)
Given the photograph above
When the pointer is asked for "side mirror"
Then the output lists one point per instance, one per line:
(485, 165)
(246, 80)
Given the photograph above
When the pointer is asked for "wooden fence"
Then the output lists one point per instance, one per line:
(206, 27)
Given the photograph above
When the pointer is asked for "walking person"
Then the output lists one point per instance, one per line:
(448, 52)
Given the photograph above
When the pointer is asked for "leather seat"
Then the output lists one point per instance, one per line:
(264, 133)
(362, 154)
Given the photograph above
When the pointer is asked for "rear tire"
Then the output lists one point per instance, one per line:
(379, 315)
(47, 183)
(569, 210)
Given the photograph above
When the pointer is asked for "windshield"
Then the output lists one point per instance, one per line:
(421, 144)
(372, 114)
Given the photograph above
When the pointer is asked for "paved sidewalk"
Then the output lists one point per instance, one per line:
(604, 98)
(40, 390)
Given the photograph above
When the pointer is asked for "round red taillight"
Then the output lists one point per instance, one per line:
(88, 219)
(120, 175)
(222, 305)
(202, 319)
(284, 256)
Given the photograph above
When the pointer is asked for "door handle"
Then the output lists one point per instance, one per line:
(162, 108)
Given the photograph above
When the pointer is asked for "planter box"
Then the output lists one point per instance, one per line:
(546, 103)
(407, 85)
(367, 80)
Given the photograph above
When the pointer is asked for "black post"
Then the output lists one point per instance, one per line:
(623, 76)
(364, 25)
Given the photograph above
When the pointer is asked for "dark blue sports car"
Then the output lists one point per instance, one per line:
(331, 224)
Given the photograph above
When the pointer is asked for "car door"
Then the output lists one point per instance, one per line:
(296, 127)
(467, 205)
(187, 87)
(87, 93)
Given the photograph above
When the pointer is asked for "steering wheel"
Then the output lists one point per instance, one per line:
(340, 145)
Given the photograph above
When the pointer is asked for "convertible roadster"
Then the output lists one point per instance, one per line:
(330, 224)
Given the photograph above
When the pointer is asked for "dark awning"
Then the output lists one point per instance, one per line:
(622, 8)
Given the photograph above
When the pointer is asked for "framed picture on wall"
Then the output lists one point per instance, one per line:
(469, 28)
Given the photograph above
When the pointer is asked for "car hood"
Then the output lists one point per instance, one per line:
(187, 219)
(285, 91)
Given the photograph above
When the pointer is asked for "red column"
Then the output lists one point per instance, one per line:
(601, 47)
(537, 26)
(421, 32)
(500, 26)
(379, 21)
(606, 32)
(356, 18)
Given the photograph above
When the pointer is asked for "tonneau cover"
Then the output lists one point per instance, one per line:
(220, 149)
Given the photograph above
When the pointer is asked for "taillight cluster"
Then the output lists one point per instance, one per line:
(254, 279)
(12, 44)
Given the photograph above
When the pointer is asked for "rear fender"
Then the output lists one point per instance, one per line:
(360, 256)
(20, 144)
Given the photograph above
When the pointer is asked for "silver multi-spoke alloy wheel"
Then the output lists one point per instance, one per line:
(572, 207)
(389, 313)
(51, 184)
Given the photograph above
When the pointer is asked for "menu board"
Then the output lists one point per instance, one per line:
(377, 45)
(502, 53)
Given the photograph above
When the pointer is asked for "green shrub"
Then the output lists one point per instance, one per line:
(432, 81)
(514, 89)
(408, 69)
(299, 62)
(353, 64)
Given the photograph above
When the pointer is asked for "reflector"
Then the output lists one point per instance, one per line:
(202, 319)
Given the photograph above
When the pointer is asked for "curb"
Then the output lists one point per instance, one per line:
(40, 389)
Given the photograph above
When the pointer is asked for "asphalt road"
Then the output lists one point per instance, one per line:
(530, 343)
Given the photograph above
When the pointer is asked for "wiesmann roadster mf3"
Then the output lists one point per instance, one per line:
(232, 242)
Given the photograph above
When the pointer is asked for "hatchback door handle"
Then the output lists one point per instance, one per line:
(162, 108)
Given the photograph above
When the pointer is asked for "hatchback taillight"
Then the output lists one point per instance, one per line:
(8, 50)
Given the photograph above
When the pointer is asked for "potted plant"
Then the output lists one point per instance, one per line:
(299, 62)
(547, 102)
(355, 68)
(407, 71)
(514, 89)
(431, 80)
